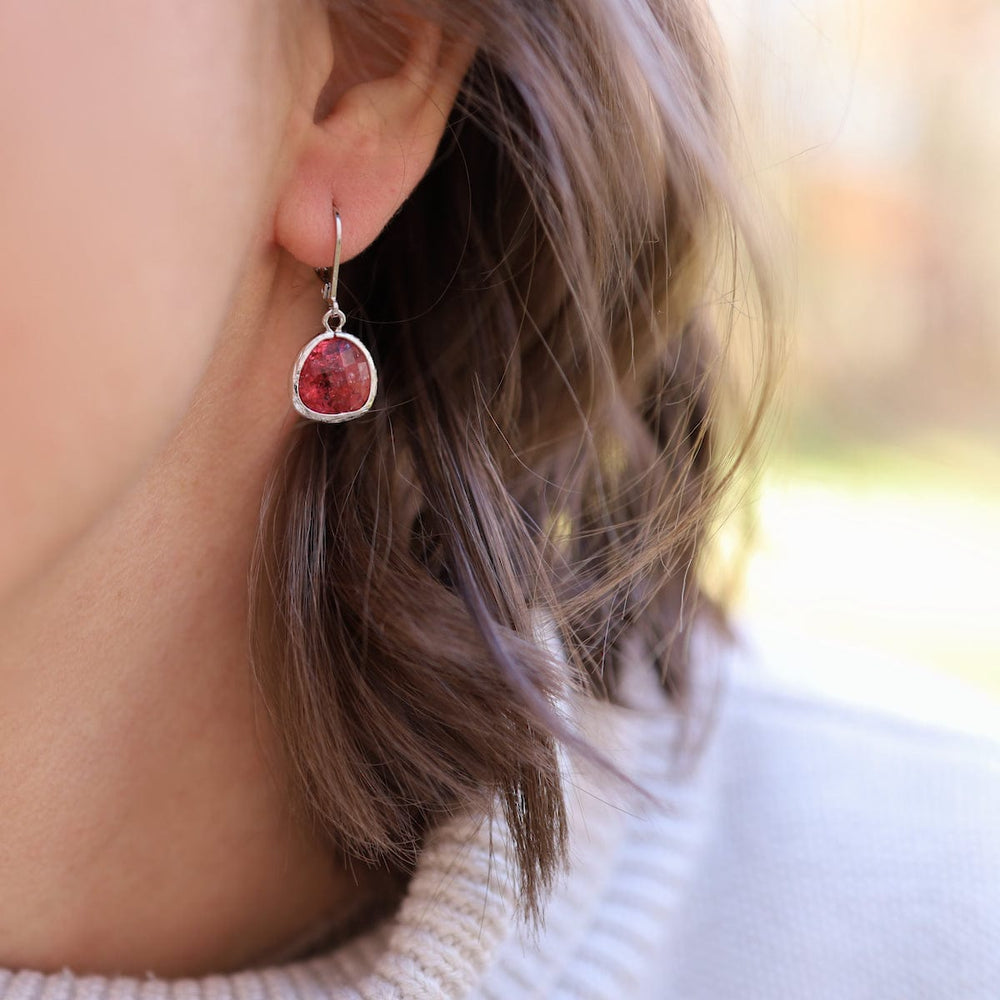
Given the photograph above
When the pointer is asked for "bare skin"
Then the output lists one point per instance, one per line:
(143, 825)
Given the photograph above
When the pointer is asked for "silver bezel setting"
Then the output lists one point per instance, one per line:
(332, 418)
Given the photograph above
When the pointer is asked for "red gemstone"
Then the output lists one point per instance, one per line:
(335, 378)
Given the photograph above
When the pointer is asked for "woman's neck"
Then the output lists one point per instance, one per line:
(144, 825)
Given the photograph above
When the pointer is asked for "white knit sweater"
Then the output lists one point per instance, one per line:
(813, 847)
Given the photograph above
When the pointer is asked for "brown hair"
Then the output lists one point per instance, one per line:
(546, 441)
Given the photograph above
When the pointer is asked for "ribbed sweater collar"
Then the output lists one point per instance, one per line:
(607, 924)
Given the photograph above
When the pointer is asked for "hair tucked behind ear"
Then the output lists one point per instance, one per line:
(546, 440)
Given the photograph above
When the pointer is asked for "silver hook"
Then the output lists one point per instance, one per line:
(330, 285)
(330, 288)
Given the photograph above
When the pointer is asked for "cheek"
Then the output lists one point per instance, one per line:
(136, 141)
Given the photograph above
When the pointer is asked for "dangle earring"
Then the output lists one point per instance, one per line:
(334, 377)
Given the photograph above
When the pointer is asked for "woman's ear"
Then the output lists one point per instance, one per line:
(378, 121)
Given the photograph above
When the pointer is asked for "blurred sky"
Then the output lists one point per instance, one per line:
(874, 127)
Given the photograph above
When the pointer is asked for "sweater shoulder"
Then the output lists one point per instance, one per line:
(791, 674)
(852, 848)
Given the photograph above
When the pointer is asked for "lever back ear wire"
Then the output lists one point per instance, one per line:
(331, 275)
(334, 377)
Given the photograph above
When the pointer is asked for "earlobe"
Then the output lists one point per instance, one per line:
(370, 149)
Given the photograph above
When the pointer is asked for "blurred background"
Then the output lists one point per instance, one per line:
(874, 125)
